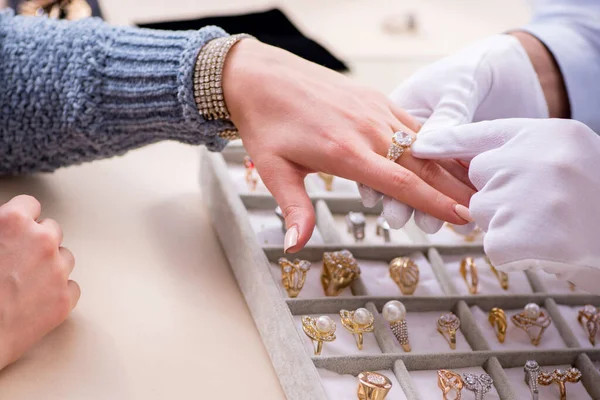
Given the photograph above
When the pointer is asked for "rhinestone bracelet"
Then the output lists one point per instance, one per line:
(208, 88)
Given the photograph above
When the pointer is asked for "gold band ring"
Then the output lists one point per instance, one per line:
(500, 275)
(497, 319)
(468, 271)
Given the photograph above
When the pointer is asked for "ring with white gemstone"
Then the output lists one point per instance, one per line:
(532, 370)
(532, 316)
(358, 322)
(589, 318)
(319, 330)
(355, 222)
(479, 384)
(401, 141)
(448, 324)
(394, 312)
(373, 386)
(293, 275)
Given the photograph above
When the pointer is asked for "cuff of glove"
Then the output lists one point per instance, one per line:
(579, 63)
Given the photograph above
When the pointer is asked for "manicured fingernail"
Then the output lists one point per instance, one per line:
(291, 238)
(463, 212)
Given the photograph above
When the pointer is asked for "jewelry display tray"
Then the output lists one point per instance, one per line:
(300, 372)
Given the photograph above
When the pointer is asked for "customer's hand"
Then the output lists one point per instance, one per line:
(296, 117)
(36, 294)
(491, 79)
(539, 192)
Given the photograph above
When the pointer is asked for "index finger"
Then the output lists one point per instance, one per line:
(395, 181)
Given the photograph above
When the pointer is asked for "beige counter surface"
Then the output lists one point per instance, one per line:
(160, 316)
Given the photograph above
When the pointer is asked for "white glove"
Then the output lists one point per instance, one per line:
(491, 79)
(538, 193)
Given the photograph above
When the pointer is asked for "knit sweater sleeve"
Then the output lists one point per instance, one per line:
(78, 91)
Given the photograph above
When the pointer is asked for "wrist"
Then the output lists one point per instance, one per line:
(549, 74)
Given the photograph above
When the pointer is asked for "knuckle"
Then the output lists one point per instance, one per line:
(430, 171)
(13, 217)
(402, 180)
(47, 241)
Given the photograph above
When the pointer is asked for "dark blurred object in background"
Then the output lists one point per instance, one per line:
(272, 27)
(58, 9)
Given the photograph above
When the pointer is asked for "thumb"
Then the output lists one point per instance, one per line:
(464, 142)
(286, 184)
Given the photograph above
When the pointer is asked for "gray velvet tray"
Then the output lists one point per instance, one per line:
(251, 262)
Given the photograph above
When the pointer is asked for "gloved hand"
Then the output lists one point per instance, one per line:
(538, 192)
(491, 79)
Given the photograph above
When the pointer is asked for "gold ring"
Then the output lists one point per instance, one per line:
(532, 316)
(589, 319)
(358, 322)
(405, 273)
(449, 380)
(560, 377)
(373, 386)
(383, 229)
(468, 268)
(500, 275)
(327, 180)
(394, 312)
(401, 141)
(469, 237)
(340, 269)
(497, 319)
(448, 323)
(251, 178)
(319, 330)
(293, 275)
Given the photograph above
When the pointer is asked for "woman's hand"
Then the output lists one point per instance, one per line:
(296, 117)
(36, 294)
(539, 192)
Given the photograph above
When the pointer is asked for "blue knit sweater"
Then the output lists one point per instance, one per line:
(78, 91)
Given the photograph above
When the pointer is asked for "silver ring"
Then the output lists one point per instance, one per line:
(532, 371)
(401, 141)
(479, 384)
(355, 221)
(383, 229)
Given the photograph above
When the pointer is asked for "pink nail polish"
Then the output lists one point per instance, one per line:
(291, 238)
(463, 212)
